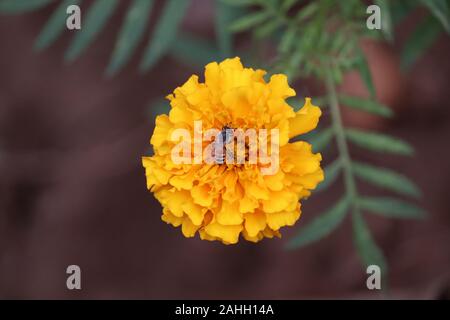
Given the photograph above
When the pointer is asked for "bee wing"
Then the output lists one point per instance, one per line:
(229, 135)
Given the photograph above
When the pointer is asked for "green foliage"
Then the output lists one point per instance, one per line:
(287, 4)
(426, 32)
(287, 41)
(331, 173)
(379, 142)
(309, 45)
(96, 19)
(249, 21)
(55, 25)
(363, 69)
(321, 139)
(194, 50)
(165, 32)
(321, 226)
(390, 207)
(440, 10)
(224, 15)
(21, 6)
(137, 18)
(386, 179)
(241, 3)
(424, 35)
(401, 9)
(132, 32)
(386, 20)
(299, 36)
(366, 105)
(368, 250)
(267, 29)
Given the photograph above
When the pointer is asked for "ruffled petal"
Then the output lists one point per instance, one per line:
(228, 234)
(306, 119)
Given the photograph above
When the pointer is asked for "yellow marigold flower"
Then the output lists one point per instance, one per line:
(223, 201)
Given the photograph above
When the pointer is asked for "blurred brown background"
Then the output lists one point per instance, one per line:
(72, 189)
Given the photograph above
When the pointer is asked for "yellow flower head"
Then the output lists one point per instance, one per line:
(218, 200)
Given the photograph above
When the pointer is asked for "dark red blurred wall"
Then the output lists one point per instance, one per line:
(72, 189)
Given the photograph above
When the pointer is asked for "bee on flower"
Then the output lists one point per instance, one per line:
(223, 138)
(235, 194)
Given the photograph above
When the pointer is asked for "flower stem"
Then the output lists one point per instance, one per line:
(341, 141)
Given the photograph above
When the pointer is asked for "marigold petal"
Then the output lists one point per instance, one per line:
(160, 174)
(269, 233)
(248, 204)
(195, 212)
(173, 200)
(255, 222)
(212, 76)
(305, 120)
(275, 182)
(279, 86)
(206, 236)
(279, 201)
(190, 86)
(229, 214)
(277, 220)
(184, 181)
(258, 237)
(161, 132)
(171, 219)
(201, 195)
(256, 191)
(311, 180)
(231, 63)
(188, 228)
(228, 234)
(181, 115)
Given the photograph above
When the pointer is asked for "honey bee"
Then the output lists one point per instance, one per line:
(225, 136)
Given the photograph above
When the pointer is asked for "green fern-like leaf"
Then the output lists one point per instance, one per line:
(386, 20)
(362, 67)
(419, 41)
(95, 21)
(55, 25)
(368, 250)
(193, 50)
(249, 21)
(321, 226)
(379, 142)
(132, 32)
(21, 6)
(331, 173)
(386, 179)
(440, 10)
(391, 207)
(321, 139)
(165, 32)
(366, 105)
(224, 15)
